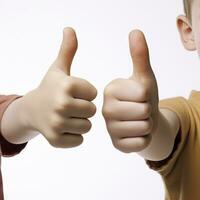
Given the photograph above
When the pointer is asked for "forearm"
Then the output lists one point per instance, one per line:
(163, 138)
(14, 124)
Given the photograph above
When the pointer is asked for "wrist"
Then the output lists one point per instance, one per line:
(27, 114)
(14, 124)
(27, 111)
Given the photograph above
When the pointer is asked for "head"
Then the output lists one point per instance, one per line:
(189, 25)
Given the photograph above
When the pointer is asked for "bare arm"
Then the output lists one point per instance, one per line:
(14, 124)
(59, 108)
(131, 109)
(163, 138)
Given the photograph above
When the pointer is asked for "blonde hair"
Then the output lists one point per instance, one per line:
(188, 8)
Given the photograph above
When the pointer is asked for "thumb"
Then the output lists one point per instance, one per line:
(67, 50)
(140, 55)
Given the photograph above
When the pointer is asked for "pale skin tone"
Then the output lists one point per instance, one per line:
(133, 119)
(132, 115)
(59, 108)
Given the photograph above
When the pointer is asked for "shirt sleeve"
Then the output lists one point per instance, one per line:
(181, 107)
(8, 149)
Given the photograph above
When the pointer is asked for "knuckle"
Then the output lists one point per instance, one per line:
(67, 103)
(54, 141)
(108, 91)
(63, 104)
(56, 122)
(118, 81)
(111, 87)
(83, 81)
(69, 85)
(107, 112)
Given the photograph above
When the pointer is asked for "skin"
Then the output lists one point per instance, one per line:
(142, 127)
(190, 30)
(58, 108)
(132, 115)
(145, 130)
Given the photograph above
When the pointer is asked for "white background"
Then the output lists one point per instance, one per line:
(30, 36)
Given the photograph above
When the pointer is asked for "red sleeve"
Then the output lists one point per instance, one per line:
(8, 149)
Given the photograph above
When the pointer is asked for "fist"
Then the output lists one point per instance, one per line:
(61, 105)
(130, 106)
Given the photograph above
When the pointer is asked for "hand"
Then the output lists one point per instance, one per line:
(130, 105)
(61, 105)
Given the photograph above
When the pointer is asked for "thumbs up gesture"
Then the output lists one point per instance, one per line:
(61, 105)
(130, 105)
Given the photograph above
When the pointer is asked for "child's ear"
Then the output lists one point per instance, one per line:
(186, 33)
